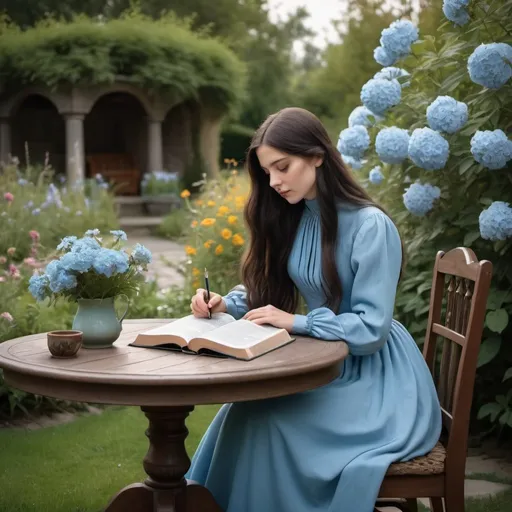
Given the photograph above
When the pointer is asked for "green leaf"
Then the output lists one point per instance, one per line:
(471, 237)
(497, 298)
(508, 374)
(492, 410)
(465, 165)
(488, 350)
(506, 417)
(497, 320)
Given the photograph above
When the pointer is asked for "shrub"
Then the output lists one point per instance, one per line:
(454, 187)
(217, 233)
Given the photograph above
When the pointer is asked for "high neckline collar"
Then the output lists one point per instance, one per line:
(312, 205)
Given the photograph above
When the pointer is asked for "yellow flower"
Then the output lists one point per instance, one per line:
(189, 250)
(194, 223)
(226, 234)
(219, 249)
(199, 202)
(226, 160)
(211, 203)
(208, 222)
(238, 239)
(196, 283)
(185, 193)
(195, 272)
(208, 243)
(222, 211)
(232, 219)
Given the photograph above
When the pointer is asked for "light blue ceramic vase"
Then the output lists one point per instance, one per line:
(97, 319)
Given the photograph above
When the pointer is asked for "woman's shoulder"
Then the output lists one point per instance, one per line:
(352, 217)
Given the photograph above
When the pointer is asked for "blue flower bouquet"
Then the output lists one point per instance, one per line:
(93, 273)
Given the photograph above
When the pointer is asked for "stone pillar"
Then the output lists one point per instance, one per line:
(5, 141)
(75, 158)
(155, 147)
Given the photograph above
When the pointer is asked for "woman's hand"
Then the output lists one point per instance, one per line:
(271, 315)
(199, 306)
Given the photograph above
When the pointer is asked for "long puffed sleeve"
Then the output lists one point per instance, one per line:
(375, 260)
(236, 302)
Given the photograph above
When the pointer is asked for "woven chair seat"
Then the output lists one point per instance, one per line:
(430, 464)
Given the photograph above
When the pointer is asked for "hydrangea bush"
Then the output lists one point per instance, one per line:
(451, 184)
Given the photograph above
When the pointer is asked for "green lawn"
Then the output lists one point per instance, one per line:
(77, 467)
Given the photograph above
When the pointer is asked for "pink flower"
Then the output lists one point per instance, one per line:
(11, 251)
(13, 270)
(7, 316)
(8, 197)
(34, 235)
(3, 260)
(2, 279)
(31, 262)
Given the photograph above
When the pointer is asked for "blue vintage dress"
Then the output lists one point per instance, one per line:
(328, 449)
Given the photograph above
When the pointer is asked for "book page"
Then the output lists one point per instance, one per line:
(241, 334)
(190, 327)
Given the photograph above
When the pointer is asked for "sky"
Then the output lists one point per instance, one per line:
(321, 12)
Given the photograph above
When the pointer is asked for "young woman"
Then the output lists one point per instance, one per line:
(315, 232)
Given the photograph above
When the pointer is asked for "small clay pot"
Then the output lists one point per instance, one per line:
(64, 344)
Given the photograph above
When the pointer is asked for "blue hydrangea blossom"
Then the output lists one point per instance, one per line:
(376, 177)
(354, 141)
(490, 65)
(496, 222)
(392, 145)
(108, 262)
(362, 116)
(59, 278)
(379, 95)
(419, 199)
(455, 11)
(353, 162)
(428, 149)
(446, 114)
(66, 243)
(38, 286)
(390, 73)
(381, 56)
(492, 149)
(395, 42)
(92, 232)
(119, 234)
(141, 255)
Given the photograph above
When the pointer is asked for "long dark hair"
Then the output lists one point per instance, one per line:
(273, 222)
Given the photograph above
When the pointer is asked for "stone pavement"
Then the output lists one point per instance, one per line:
(162, 250)
(167, 250)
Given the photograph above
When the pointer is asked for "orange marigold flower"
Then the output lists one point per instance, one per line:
(238, 239)
(195, 271)
(232, 219)
(190, 251)
(208, 222)
(194, 223)
(208, 243)
(211, 203)
(223, 210)
(226, 233)
(219, 249)
(185, 193)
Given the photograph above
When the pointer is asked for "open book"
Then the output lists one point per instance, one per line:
(221, 335)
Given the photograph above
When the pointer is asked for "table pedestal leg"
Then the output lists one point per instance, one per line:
(165, 489)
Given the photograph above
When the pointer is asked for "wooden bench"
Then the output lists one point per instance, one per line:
(118, 169)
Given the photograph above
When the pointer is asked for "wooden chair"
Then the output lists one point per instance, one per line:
(117, 168)
(464, 283)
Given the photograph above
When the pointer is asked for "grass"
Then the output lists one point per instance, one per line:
(77, 467)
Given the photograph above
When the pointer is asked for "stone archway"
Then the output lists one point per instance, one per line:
(38, 129)
(116, 135)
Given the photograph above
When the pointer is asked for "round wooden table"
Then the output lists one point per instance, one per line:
(166, 385)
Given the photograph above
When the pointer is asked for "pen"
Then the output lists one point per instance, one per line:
(207, 283)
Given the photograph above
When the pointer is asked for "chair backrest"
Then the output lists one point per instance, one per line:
(458, 299)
